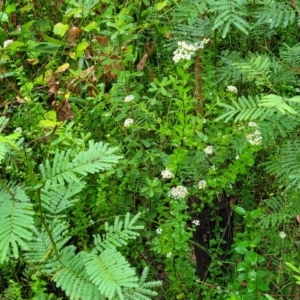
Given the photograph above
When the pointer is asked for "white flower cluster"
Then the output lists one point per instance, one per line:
(186, 51)
(128, 122)
(209, 150)
(167, 174)
(282, 234)
(297, 90)
(7, 43)
(179, 192)
(18, 130)
(196, 222)
(169, 255)
(129, 98)
(232, 88)
(254, 138)
(202, 184)
(158, 230)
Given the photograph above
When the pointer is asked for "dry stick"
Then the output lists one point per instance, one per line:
(198, 91)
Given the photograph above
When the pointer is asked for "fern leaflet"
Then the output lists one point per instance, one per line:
(98, 157)
(16, 221)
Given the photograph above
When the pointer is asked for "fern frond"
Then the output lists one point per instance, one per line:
(98, 157)
(290, 55)
(3, 123)
(7, 143)
(279, 103)
(230, 13)
(110, 272)
(144, 291)
(275, 212)
(16, 221)
(257, 69)
(55, 201)
(286, 166)
(40, 256)
(118, 234)
(276, 15)
(245, 109)
(13, 292)
(72, 277)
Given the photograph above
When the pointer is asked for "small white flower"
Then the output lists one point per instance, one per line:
(232, 88)
(18, 130)
(237, 157)
(167, 174)
(202, 184)
(209, 150)
(252, 124)
(7, 43)
(128, 122)
(107, 114)
(254, 138)
(179, 192)
(158, 230)
(270, 20)
(129, 98)
(169, 255)
(213, 168)
(297, 90)
(282, 234)
(196, 222)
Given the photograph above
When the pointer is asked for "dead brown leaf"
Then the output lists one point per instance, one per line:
(63, 110)
(140, 66)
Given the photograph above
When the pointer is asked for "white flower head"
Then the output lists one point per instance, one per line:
(270, 20)
(252, 124)
(129, 98)
(185, 50)
(237, 157)
(158, 230)
(232, 88)
(282, 234)
(202, 184)
(254, 138)
(7, 43)
(196, 222)
(297, 90)
(18, 130)
(169, 255)
(179, 192)
(167, 174)
(128, 122)
(107, 114)
(209, 150)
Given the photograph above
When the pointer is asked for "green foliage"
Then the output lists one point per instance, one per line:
(230, 13)
(113, 143)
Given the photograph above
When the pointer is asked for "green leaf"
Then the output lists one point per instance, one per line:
(3, 17)
(263, 286)
(91, 26)
(252, 256)
(10, 8)
(241, 250)
(80, 48)
(60, 29)
(239, 210)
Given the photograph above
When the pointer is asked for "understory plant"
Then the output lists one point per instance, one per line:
(149, 139)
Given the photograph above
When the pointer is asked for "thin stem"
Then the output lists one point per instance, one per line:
(199, 91)
(46, 226)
